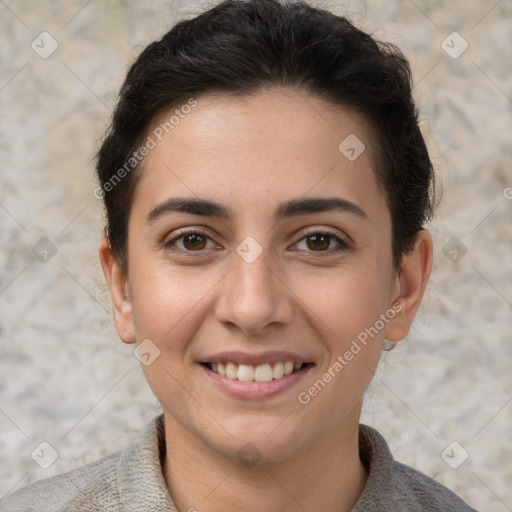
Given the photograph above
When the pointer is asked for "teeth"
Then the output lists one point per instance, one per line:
(245, 372)
(231, 371)
(278, 371)
(261, 373)
(288, 367)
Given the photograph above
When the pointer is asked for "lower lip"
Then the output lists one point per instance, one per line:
(253, 389)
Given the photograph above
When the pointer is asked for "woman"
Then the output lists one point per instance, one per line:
(266, 186)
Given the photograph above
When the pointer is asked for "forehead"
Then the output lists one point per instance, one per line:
(271, 143)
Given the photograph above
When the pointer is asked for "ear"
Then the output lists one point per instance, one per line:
(118, 284)
(411, 283)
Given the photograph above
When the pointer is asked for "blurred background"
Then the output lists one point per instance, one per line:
(442, 398)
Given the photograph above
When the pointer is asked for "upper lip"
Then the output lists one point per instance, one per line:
(255, 359)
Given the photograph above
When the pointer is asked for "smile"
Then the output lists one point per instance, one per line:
(260, 373)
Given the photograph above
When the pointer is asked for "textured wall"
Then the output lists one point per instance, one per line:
(65, 377)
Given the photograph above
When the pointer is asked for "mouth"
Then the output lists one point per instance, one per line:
(265, 372)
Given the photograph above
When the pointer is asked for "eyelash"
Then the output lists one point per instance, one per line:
(342, 243)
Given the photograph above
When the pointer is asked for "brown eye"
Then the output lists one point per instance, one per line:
(322, 242)
(318, 242)
(194, 242)
(189, 241)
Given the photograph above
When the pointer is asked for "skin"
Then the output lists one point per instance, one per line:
(251, 154)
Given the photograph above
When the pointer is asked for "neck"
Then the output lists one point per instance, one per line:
(326, 475)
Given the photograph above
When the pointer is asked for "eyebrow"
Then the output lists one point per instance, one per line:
(292, 208)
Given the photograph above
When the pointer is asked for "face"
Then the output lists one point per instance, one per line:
(256, 248)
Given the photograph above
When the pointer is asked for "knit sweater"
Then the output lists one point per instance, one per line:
(132, 481)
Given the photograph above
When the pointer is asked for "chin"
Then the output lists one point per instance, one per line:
(258, 450)
(261, 439)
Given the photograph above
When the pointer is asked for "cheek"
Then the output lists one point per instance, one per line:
(347, 313)
(167, 303)
(344, 301)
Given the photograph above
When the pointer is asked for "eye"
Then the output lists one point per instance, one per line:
(196, 240)
(190, 240)
(320, 241)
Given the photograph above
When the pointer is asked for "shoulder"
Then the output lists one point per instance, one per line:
(393, 486)
(127, 480)
(415, 489)
(89, 484)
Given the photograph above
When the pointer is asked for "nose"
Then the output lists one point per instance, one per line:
(254, 296)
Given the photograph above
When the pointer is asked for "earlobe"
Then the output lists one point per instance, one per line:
(412, 281)
(118, 285)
